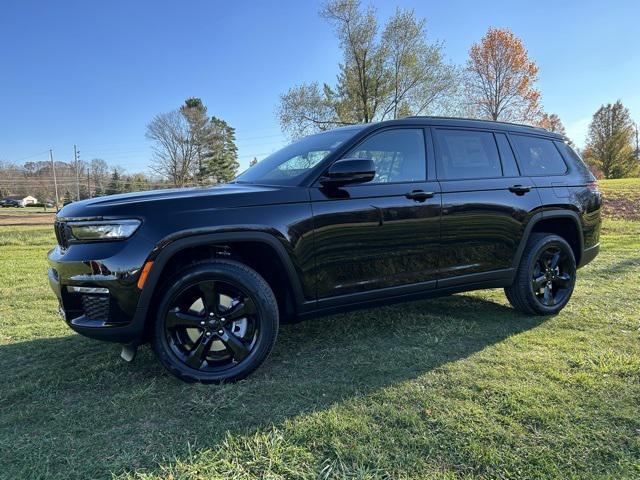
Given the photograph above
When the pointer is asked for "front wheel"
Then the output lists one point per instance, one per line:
(546, 276)
(217, 321)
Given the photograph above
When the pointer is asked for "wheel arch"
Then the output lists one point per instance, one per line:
(549, 221)
(207, 246)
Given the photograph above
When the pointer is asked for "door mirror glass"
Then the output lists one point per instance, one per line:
(349, 171)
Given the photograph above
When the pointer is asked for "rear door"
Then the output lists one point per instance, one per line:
(486, 203)
(383, 234)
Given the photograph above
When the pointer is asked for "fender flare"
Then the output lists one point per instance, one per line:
(166, 250)
(536, 218)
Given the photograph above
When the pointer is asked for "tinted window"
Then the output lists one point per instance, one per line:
(397, 154)
(509, 165)
(467, 154)
(538, 156)
(288, 165)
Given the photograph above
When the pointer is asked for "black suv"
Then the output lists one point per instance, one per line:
(354, 217)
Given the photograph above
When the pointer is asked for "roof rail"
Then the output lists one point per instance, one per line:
(478, 120)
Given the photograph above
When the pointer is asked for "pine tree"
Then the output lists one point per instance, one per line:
(68, 198)
(195, 113)
(84, 192)
(114, 184)
(220, 163)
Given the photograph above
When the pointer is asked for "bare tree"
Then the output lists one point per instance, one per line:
(175, 150)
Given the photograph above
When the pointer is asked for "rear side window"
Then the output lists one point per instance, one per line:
(465, 154)
(538, 156)
(509, 165)
(397, 154)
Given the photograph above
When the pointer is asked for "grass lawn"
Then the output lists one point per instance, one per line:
(457, 387)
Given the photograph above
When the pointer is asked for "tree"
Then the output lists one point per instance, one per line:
(195, 113)
(382, 76)
(115, 185)
(253, 162)
(609, 145)
(68, 198)
(553, 123)
(175, 150)
(98, 174)
(500, 78)
(220, 162)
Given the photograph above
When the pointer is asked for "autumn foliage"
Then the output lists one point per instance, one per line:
(500, 78)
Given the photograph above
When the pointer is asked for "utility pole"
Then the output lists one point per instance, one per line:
(89, 180)
(55, 181)
(75, 157)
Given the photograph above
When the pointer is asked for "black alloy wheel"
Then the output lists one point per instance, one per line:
(546, 276)
(552, 279)
(217, 322)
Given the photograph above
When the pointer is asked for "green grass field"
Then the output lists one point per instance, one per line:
(457, 387)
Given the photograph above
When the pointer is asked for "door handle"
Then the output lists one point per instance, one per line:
(419, 195)
(519, 189)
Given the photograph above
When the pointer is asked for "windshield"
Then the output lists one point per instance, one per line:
(289, 165)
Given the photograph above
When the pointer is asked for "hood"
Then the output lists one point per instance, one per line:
(231, 195)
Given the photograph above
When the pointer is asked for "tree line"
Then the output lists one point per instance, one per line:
(387, 71)
(75, 181)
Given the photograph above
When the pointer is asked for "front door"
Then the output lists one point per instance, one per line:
(486, 204)
(383, 234)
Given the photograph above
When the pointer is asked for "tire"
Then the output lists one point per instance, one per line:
(217, 321)
(545, 278)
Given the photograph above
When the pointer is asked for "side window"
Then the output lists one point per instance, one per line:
(466, 154)
(538, 156)
(397, 154)
(509, 165)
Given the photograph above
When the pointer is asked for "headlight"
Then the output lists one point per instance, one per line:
(103, 230)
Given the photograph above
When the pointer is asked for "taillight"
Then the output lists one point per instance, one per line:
(593, 186)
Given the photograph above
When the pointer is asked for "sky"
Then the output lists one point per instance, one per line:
(95, 73)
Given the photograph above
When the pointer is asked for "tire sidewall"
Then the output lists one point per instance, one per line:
(249, 283)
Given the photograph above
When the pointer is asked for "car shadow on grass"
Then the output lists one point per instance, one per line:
(70, 408)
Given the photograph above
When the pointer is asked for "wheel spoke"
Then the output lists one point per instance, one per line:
(538, 282)
(563, 280)
(199, 352)
(176, 318)
(554, 261)
(210, 296)
(240, 310)
(239, 350)
(548, 296)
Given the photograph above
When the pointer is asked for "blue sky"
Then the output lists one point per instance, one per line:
(95, 73)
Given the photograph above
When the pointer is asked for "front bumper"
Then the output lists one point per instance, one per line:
(96, 287)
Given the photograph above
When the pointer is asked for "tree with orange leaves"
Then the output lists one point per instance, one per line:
(500, 78)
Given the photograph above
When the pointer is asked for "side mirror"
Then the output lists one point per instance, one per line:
(348, 171)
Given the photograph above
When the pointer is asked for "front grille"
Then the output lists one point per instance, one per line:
(62, 233)
(96, 307)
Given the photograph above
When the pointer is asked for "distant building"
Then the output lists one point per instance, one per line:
(24, 201)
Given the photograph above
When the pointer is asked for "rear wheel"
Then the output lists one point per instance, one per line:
(546, 276)
(217, 321)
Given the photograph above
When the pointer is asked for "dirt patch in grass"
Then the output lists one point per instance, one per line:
(622, 208)
(621, 198)
(27, 218)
